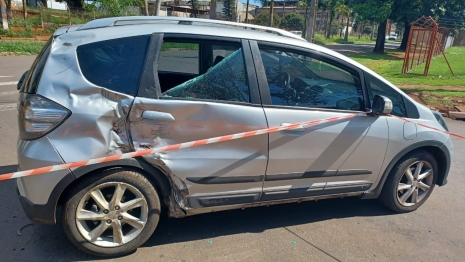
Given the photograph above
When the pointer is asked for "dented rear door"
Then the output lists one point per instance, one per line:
(225, 173)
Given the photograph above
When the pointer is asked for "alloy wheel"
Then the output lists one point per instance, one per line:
(415, 183)
(112, 214)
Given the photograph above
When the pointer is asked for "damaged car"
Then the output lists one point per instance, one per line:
(119, 85)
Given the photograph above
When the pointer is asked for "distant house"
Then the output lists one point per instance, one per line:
(51, 4)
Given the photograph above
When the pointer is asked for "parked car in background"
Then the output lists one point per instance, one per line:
(392, 36)
(298, 33)
(119, 85)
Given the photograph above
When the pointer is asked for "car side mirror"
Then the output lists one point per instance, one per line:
(381, 105)
(20, 82)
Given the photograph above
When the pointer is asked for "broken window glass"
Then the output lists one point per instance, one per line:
(225, 80)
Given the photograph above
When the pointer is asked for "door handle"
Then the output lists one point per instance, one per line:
(158, 116)
(298, 130)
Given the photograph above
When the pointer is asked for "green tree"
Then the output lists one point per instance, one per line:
(117, 7)
(264, 17)
(345, 11)
(292, 21)
(407, 11)
(304, 5)
(194, 5)
(330, 6)
(229, 8)
(375, 11)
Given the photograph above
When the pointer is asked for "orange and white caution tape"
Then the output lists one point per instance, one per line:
(144, 152)
(430, 127)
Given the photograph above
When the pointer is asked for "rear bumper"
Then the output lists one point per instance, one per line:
(43, 214)
(39, 194)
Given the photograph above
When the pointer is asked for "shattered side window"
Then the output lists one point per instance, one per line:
(225, 79)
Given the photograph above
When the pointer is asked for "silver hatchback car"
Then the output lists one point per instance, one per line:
(124, 84)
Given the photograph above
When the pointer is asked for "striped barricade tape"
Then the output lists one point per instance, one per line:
(430, 127)
(144, 152)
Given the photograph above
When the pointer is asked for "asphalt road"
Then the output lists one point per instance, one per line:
(329, 230)
(348, 49)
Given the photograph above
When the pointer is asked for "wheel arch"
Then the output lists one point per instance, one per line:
(435, 148)
(156, 176)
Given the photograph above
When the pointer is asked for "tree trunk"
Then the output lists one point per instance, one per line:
(25, 11)
(372, 31)
(9, 13)
(157, 8)
(146, 8)
(212, 13)
(193, 8)
(342, 29)
(42, 14)
(311, 22)
(69, 13)
(380, 39)
(3, 15)
(304, 29)
(328, 33)
(284, 4)
(270, 20)
(403, 44)
(360, 30)
(346, 36)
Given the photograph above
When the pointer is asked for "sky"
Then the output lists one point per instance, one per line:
(251, 2)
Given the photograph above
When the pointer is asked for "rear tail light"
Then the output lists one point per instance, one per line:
(38, 116)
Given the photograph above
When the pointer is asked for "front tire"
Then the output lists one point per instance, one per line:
(111, 213)
(410, 182)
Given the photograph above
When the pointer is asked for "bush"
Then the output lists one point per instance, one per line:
(264, 16)
(292, 22)
(336, 28)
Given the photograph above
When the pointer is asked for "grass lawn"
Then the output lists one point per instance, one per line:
(321, 40)
(21, 47)
(390, 67)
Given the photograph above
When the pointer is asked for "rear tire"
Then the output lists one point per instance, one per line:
(111, 213)
(410, 182)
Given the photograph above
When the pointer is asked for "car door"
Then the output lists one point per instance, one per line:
(299, 85)
(204, 87)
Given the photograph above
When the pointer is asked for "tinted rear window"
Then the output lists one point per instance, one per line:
(31, 82)
(114, 64)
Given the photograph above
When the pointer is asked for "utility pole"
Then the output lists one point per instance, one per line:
(213, 7)
(247, 12)
(270, 21)
(311, 20)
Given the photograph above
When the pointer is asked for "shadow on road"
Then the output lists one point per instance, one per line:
(51, 242)
(8, 169)
(52, 239)
(257, 220)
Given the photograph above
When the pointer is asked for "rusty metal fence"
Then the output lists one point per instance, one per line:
(428, 39)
